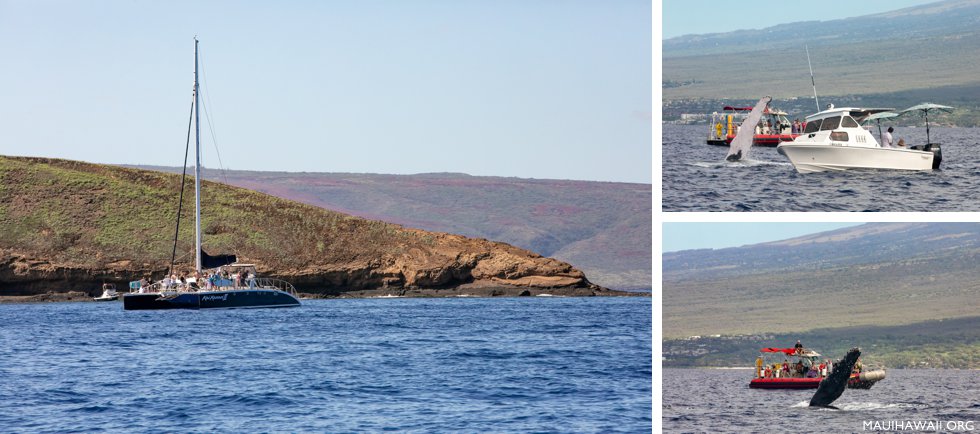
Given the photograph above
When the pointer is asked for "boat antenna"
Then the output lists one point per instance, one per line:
(812, 82)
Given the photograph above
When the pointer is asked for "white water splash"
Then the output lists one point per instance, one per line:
(859, 406)
(864, 406)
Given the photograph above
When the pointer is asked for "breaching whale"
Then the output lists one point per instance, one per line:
(739, 148)
(833, 386)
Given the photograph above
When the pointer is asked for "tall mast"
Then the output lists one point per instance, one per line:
(197, 165)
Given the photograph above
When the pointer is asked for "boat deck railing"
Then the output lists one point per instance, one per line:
(256, 283)
(269, 283)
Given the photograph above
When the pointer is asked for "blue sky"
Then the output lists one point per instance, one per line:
(685, 236)
(684, 17)
(533, 89)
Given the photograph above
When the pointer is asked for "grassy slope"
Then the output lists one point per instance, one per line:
(115, 214)
(602, 228)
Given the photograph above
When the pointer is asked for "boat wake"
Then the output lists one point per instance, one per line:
(739, 163)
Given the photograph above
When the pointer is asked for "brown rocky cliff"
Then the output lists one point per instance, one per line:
(449, 261)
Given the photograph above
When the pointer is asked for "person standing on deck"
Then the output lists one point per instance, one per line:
(886, 139)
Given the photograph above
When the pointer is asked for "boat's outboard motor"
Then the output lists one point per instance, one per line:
(937, 152)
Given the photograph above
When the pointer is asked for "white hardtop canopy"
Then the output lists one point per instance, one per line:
(857, 113)
(810, 353)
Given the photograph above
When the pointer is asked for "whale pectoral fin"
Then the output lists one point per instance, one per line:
(832, 387)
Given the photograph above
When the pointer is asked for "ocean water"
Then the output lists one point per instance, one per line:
(714, 400)
(696, 177)
(425, 365)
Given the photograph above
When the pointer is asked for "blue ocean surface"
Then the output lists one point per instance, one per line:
(720, 400)
(696, 177)
(543, 364)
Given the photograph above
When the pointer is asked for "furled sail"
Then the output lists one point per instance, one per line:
(739, 149)
(208, 261)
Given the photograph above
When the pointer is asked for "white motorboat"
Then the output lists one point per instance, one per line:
(834, 140)
(108, 293)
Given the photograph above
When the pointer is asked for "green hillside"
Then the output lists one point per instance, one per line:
(70, 225)
(907, 293)
(92, 215)
(885, 58)
(876, 274)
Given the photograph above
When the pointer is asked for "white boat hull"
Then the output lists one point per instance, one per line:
(809, 158)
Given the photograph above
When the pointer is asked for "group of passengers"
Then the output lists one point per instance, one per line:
(221, 278)
(768, 128)
(803, 368)
(224, 278)
(798, 126)
(796, 370)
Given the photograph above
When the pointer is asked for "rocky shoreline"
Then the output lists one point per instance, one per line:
(482, 291)
(475, 291)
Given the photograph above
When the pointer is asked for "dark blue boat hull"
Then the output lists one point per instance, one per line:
(232, 299)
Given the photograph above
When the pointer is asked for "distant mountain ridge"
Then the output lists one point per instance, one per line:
(601, 227)
(865, 244)
(923, 21)
(920, 47)
(873, 274)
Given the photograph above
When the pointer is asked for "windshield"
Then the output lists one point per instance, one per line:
(812, 127)
(830, 123)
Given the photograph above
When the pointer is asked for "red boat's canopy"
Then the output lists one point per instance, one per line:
(787, 351)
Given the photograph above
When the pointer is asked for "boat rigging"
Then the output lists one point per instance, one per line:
(218, 281)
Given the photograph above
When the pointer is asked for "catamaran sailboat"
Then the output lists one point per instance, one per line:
(230, 285)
